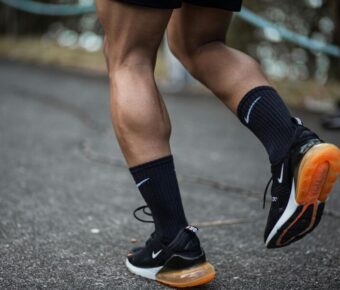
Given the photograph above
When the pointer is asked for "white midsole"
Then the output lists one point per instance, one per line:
(149, 273)
(289, 211)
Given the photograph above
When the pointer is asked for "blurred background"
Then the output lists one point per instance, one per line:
(307, 77)
(66, 196)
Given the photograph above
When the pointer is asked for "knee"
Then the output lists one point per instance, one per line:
(194, 54)
(191, 51)
(182, 49)
(135, 59)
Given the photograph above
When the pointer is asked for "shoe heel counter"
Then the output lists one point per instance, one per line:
(193, 244)
(182, 261)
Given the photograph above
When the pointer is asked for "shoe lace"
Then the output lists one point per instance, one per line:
(142, 208)
(265, 191)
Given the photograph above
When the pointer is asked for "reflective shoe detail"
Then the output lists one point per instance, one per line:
(180, 264)
(312, 172)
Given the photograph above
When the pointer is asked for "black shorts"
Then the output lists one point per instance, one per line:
(231, 5)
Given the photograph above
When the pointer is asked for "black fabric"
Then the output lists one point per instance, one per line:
(157, 182)
(161, 4)
(282, 176)
(185, 245)
(266, 115)
(231, 5)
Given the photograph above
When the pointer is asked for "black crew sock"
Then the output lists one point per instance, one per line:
(266, 115)
(157, 182)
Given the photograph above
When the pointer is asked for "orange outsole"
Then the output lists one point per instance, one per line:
(194, 276)
(317, 174)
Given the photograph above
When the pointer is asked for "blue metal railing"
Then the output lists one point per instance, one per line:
(296, 38)
(50, 9)
(247, 15)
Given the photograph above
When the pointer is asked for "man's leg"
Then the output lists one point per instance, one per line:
(141, 122)
(197, 37)
(132, 37)
(139, 117)
(227, 72)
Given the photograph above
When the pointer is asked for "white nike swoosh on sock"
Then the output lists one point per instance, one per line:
(142, 182)
(250, 109)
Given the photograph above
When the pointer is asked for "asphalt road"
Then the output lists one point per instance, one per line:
(66, 198)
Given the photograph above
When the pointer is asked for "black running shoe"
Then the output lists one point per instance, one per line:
(301, 184)
(182, 263)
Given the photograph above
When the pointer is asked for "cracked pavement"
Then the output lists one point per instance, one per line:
(66, 198)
